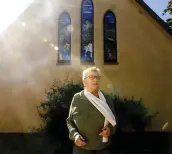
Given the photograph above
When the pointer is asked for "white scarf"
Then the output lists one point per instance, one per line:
(101, 104)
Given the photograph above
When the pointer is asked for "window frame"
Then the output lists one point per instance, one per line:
(116, 53)
(81, 45)
(58, 60)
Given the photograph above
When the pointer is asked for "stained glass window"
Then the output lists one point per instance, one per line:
(64, 38)
(110, 43)
(87, 32)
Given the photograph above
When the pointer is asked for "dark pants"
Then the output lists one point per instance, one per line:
(78, 150)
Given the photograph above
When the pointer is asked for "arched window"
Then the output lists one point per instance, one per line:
(87, 31)
(110, 42)
(64, 38)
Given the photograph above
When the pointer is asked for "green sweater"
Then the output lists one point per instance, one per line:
(86, 120)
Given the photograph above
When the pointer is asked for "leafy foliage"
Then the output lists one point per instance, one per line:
(168, 9)
(169, 21)
(132, 115)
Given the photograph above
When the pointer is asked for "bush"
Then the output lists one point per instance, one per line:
(132, 115)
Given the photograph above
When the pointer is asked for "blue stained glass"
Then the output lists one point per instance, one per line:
(87, 2)
(64, 38)
(110, 44)
(109, 18)
(87, 14)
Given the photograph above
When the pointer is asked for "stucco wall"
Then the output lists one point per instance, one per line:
(28, 64)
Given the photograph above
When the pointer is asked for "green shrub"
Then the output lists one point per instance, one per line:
(132, 115)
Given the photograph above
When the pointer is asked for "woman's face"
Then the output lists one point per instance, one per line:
(92, 81)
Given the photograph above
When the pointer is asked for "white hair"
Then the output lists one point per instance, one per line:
(90, 69)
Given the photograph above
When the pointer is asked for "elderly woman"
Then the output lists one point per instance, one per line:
(91, 121)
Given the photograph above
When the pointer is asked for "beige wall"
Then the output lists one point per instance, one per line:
(28, 64)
